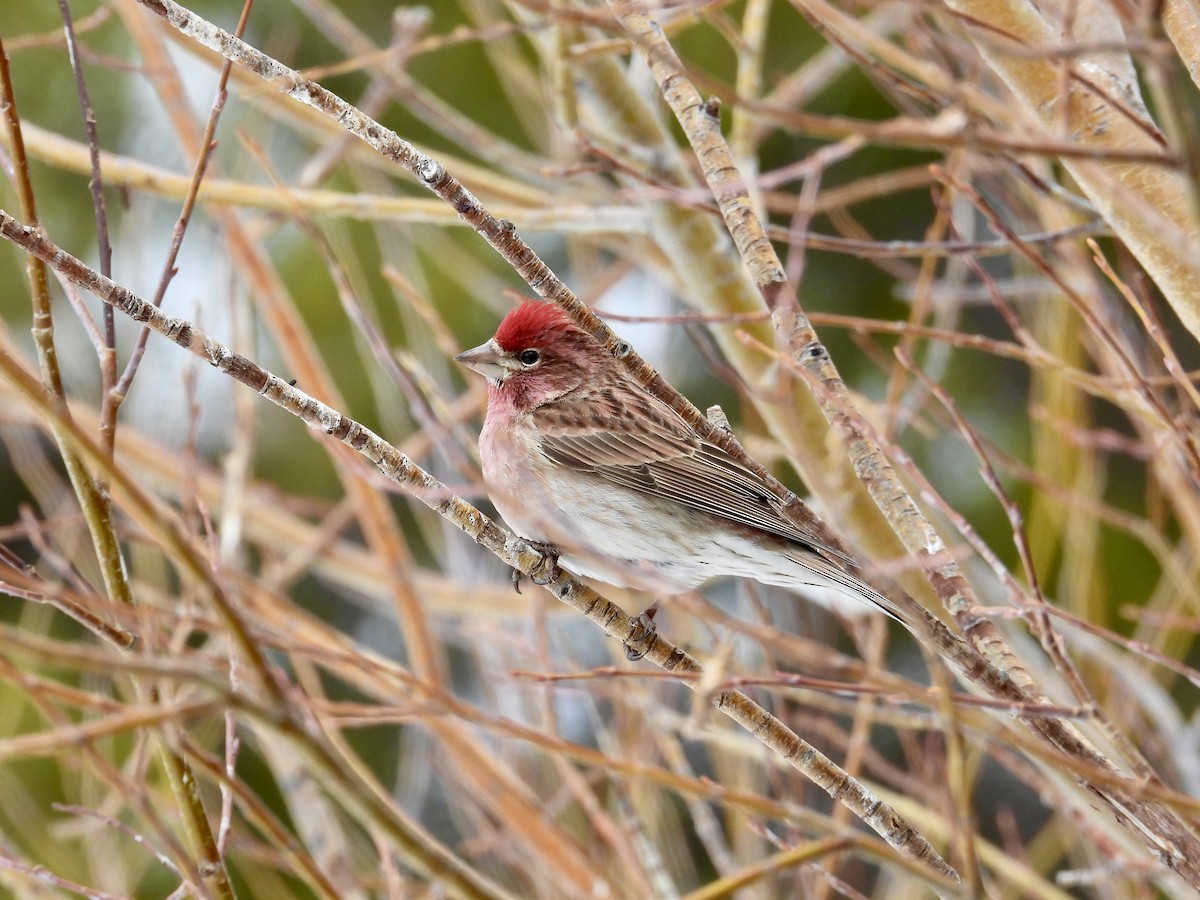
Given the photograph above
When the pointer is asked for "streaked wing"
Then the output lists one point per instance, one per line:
(650, 449)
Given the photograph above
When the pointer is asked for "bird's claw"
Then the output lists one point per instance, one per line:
(642, 637)
(549, 554)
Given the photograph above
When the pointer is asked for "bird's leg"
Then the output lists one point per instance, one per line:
(643, 634)
(549, 554)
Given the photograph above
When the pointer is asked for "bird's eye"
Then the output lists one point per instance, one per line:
(529, 358)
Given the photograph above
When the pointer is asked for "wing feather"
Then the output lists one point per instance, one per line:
(649, 448)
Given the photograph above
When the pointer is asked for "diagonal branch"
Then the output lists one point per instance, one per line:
(513, 551)
(1156, 826)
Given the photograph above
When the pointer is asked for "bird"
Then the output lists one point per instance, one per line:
(579, 457)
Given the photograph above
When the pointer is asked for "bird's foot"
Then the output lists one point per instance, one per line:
(642, 638)
(549, 554)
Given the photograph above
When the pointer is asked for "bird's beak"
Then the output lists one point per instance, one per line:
(488, 360)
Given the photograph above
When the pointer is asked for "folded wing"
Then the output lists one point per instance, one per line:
(653, 451)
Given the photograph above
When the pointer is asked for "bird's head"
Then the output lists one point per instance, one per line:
(536, 355)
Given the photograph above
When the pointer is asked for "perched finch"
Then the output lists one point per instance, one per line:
(579, 456)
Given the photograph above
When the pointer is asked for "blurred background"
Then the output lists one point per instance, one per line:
(1037, 393)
